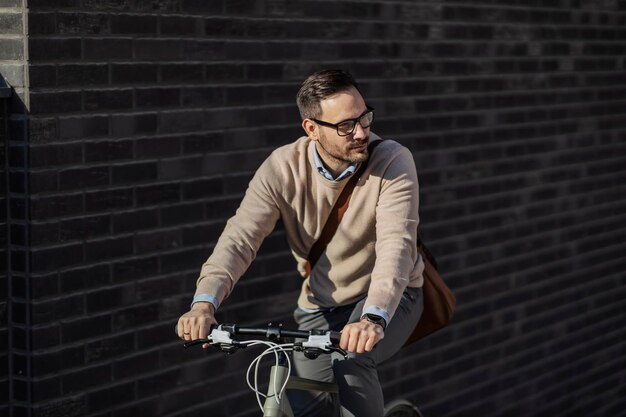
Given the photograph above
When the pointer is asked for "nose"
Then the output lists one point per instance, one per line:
(359, 133)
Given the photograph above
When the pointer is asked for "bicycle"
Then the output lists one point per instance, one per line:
(317, 342)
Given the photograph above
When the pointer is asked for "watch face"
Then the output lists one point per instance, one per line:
(373, 318)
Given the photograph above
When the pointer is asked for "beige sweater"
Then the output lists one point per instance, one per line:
(373, 252)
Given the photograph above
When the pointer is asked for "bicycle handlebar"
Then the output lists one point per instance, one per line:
(318, 341)
(277, 332)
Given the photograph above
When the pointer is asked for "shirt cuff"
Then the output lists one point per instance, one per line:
(377, 311)
(208, 298)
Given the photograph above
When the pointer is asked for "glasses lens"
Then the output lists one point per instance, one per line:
(366, 119)
(345, 128)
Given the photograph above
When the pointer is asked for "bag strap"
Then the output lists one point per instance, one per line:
(336, 214)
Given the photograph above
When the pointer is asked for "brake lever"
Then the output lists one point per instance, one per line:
(195, 342)
(339, 350)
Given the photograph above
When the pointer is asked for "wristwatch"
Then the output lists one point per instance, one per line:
(375, 318)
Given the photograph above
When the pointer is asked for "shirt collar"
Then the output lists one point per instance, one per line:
(324, 172)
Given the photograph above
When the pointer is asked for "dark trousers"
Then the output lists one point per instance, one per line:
(360, 394)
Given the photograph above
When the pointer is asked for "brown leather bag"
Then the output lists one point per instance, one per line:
(439, 301)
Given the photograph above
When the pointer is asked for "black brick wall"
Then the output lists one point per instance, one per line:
(146, 119)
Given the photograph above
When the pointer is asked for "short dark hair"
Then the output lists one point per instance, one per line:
(319, 86)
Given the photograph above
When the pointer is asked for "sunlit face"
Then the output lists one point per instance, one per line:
(339, 151)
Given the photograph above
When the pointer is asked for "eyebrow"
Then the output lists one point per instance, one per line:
(367, 109)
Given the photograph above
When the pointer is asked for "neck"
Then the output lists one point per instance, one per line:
(333, 165)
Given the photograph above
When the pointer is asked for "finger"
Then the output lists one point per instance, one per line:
(354, 340)
(369, 345)
(364, 337)
(186, 330)
(345, 338)
(375, 339)
(179, 328)
(203, 331)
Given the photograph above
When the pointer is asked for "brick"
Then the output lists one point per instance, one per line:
(86, 378)
(82, 23)
(56, 102)
(10, 23)
(157, 241)
(101, 399)
(60, 4)
(54, 206)
(180, 168)
(11, 49)
(176, 73)
(203, 96)
(134, 124)
(158, 97)
(108, 348)
(108, 99)
(107, 48)
(158, 147)
(134, 73)
(133, 316)
(161, 193)
(13, 74)
(199, 6)
(108, 151)
(108, 299)
(85, 328)
(82, 74)
(83, 278)
(108, 249)
(135, 220)
(54, 49)
(45, 233)
(137, 364)
(200, 49)
(160, 49)
(55, 155)
(181, 214)
(83, 127)
(132, 24)
(109, 200)
(84, 227)
(133, 269)
(80, 178)
(203, 188)
(41, 23)
(45, 337)
(181, 25)
(49, 311)
(46, 259)
(133, 173)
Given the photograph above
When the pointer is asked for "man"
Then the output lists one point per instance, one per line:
(368, 281)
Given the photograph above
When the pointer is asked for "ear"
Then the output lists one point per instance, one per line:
(311, 129)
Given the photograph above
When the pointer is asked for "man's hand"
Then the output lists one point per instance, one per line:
(195, 324)
(361, 337)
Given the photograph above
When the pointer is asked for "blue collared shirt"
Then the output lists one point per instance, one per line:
(322, 169)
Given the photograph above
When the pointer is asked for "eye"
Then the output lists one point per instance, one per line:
(346, 127)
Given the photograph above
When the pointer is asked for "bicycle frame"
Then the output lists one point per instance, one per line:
(278, 376)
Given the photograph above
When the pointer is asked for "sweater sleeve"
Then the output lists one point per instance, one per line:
(242, 237)
(396, 233)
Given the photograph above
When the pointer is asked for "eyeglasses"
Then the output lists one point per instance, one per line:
(346, 127)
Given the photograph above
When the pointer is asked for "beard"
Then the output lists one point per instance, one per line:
(357, 152)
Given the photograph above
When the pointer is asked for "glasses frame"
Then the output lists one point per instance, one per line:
(355, 121)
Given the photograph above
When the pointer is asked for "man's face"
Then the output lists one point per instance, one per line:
(335, 149)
